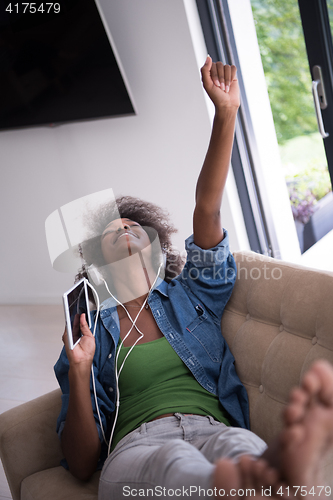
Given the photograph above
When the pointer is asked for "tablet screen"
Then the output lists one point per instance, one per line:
(76, 303)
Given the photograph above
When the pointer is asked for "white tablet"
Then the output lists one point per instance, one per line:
(76, 302)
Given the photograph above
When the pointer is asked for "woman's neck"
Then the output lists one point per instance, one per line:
(132, 279)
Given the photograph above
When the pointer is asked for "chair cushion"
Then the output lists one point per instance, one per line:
(278, 321)
(28, 440)
(58, 484)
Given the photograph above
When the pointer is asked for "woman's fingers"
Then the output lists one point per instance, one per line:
(220, 68)
(65, 337)
(85, 330)
(214, 75)
(206, 73)
(227, 77)
(84, 350)
(221, 75)
(233, 73)
(217, 75)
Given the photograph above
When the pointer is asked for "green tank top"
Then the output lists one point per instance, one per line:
(154, 381)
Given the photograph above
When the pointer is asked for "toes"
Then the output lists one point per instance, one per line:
(295, 411)
(324, 372)
(298, 396)
(317, 384)
(311, 383)
(293, 414)
(226, 475)
(245, 465)
(264, 474)
(292, 436)
(256, 474)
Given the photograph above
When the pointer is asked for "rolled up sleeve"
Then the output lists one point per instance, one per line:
(210, 274)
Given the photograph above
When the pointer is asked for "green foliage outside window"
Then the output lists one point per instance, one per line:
(283, 53)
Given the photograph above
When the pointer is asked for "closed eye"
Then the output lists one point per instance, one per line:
(107, 232)
(110, 231)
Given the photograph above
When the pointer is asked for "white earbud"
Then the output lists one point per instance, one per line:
(95, 275)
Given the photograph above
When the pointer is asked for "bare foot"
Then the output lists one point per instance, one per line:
(299, 451)
(249, 477)
(298, 402)
(308, 434)
(316, 384)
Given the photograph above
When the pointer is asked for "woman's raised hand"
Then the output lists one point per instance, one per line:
(220, 82)
(83, 353)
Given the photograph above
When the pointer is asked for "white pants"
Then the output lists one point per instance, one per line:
(173, 456)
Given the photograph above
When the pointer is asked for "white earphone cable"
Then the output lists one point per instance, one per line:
(132, 347)
(117, 372)
(92, 366)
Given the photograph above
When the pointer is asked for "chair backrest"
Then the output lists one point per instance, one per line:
(278, 321)
(28, 441)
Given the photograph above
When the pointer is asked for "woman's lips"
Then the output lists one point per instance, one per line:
(126, 233)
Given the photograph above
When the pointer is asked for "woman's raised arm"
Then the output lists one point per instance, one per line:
(221, 85)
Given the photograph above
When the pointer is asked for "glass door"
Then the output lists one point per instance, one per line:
(304, 131)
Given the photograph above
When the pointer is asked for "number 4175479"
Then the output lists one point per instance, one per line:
(32, 8)
(303, 491)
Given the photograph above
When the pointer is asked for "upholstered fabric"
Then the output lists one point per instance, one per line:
(28, 442)
(278, 321)
(58, 484)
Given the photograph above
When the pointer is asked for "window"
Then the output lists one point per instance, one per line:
(279, 138)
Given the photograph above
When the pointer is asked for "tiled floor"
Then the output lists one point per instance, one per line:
(30, 338)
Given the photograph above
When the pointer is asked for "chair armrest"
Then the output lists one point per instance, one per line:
(28, 439)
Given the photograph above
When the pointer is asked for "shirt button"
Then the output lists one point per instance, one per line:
(110, 356)
(110, 389)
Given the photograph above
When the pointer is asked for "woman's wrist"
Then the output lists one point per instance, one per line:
(226, 113)
(79, 372)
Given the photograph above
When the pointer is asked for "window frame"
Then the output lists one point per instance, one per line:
(219, 38)
(319, 48)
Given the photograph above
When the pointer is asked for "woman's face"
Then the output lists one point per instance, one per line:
(122, 238)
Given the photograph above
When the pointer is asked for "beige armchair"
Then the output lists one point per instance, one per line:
(277, 322)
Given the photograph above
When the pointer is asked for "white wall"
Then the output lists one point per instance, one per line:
(155, 155)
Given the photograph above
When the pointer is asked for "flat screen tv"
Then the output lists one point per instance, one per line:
(57, 65)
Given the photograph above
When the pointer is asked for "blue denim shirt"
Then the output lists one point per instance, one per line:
(188, 312)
